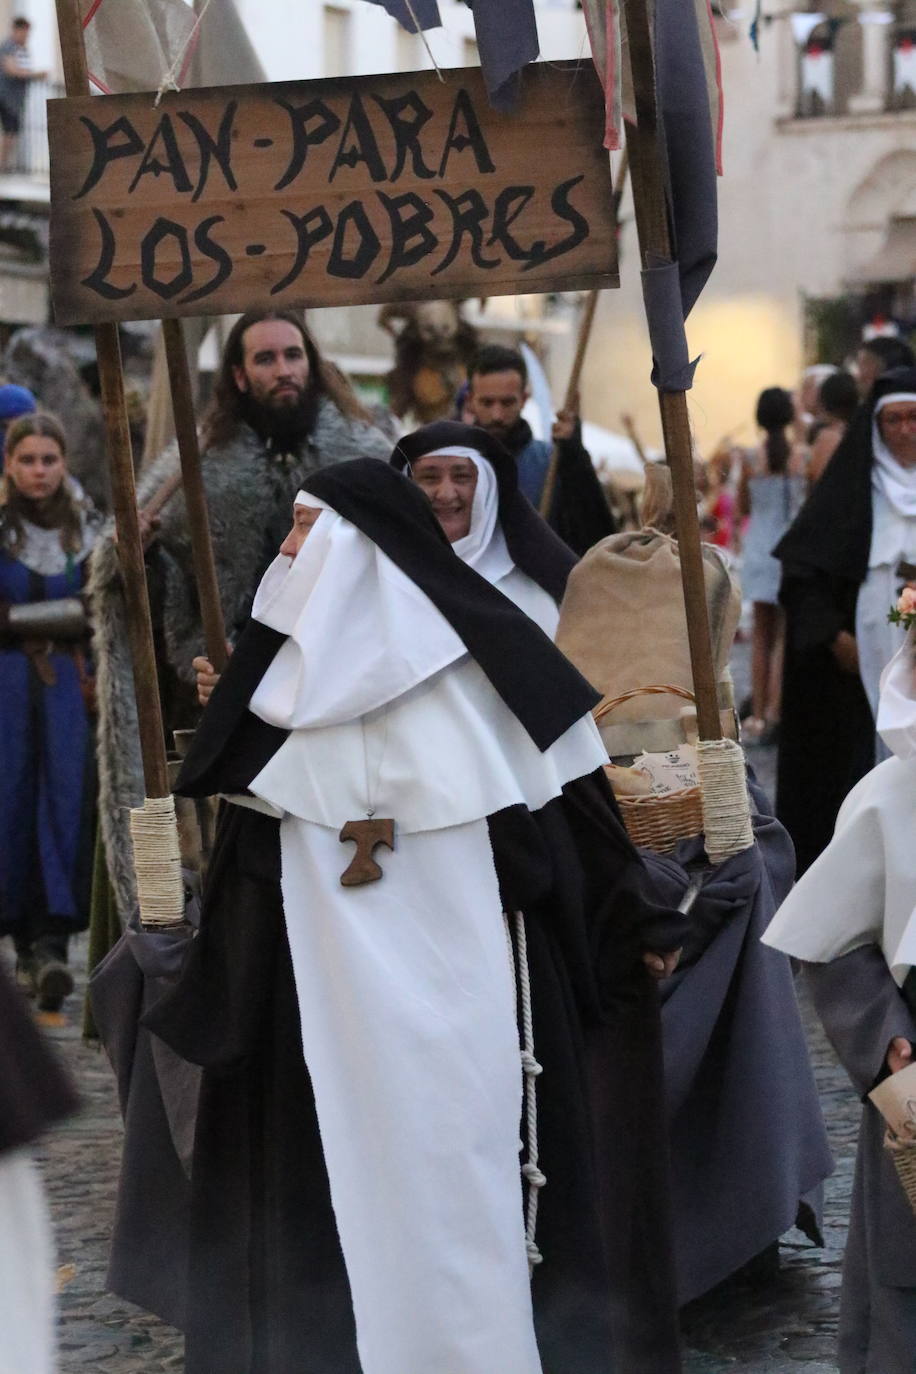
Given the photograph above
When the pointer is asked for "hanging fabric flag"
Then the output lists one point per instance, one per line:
(507, 39)
(602, 20)
(607, 37)
(670, 72)
(412, 15)
(132, 45)
(148, 45)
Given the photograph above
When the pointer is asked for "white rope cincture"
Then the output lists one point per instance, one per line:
(157, 861)
(531, 1070)
(168, 82)
(726, 806)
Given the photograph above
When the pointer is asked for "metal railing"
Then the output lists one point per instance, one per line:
(30, 157)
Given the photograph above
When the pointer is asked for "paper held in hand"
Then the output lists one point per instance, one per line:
(895, 1099)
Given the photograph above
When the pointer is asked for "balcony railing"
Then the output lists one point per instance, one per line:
(30, 156)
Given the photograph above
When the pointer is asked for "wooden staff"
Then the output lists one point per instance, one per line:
(194, 494)
(651, 207)
(124, 496)
(572, 392)
(630, 430)
(585, 332)
(153, 827)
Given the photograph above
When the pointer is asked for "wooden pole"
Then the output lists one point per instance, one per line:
(585, 333)
(194, 494)
(124, 496)
(655, 244)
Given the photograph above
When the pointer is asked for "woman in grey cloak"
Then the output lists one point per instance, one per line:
(852, 919)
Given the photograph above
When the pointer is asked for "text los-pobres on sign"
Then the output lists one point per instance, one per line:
(325, 193)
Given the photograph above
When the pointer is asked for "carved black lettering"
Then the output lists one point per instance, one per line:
(368, 244)
(407, 115)
(511, 202)
(560, 204)
(218, 148)
(464, 131)
(310, 229)
(469, 213)
(172, 164)
(106, 149)
(311, 124)
(206, 244)
(411, 238)
(357, 144)
(161, 232)
(97, 280)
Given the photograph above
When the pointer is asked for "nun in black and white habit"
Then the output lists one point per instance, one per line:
(852, 919)
(508, 542)
(359, 1201)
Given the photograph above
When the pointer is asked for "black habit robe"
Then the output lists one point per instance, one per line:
(267, 1290)
(827, 735)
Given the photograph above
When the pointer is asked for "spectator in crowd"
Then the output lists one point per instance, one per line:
(880, 355)
(15, 74)
(770, 494)
(47, 529)
(839, 400)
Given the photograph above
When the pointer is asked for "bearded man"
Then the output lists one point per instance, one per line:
(498, 390)
(280, 411)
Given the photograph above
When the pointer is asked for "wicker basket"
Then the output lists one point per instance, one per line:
(903, 1153)
(658, 823)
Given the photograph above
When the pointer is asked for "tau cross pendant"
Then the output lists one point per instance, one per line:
(367, 835)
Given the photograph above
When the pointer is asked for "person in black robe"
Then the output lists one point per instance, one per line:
(268, 1289)
(827, 735)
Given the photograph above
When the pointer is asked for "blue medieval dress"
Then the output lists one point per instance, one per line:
(46, 755)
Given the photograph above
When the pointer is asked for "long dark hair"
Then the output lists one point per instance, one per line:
(775, 413)
(226, 410)
(63, 511)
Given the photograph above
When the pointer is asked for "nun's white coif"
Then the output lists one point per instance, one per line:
(360, 685)
(484, 546)
(406, 996)
(893, 538)
(862, 889)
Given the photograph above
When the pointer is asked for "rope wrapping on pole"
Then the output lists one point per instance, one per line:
(726, 808)
(157, 861)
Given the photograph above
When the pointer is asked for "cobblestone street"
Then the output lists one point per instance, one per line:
(785, 1326)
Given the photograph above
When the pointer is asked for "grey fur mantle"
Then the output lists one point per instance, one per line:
(249, 496)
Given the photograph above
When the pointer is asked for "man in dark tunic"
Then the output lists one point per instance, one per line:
(498, 390)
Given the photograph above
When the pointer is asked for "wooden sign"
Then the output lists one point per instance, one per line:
(365, 189)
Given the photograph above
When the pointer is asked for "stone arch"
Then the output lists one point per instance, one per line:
(886, 193)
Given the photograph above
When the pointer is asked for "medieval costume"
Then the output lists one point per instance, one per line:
(746, 1135)
(839, 573)
(851, 918)
(250, 485)
(579, 511)
(46, 755)
(34, 1095)
(355, 1186)
(508, 542)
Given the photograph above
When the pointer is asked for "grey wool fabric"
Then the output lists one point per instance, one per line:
(250, 491)
(863, 1010)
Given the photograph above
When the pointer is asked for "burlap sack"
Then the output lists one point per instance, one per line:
(623, 625)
